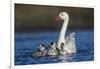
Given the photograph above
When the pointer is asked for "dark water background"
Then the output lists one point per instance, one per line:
(26, 43)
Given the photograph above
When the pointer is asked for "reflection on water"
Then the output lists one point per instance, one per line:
(26, 43)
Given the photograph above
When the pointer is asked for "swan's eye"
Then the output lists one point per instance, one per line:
(61, 14)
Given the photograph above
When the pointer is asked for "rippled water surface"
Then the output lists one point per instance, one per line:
(26, 43)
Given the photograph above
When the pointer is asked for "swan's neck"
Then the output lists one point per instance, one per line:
(64, 28)
(63, 32)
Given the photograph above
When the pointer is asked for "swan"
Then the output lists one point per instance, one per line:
(69, 41)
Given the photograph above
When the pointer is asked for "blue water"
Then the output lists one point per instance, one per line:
(26, 43)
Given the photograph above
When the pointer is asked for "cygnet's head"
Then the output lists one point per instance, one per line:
(53, 45)
(41, 47)
(62, 45)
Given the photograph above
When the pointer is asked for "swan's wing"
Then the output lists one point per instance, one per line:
(71, 35)
(67, 38)
(72, 46)
(70, 43)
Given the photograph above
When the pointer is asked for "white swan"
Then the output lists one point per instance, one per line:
(69, 41)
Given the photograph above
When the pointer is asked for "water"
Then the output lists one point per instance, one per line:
(26, 43)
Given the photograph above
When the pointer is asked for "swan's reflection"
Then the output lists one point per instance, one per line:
(65, 58)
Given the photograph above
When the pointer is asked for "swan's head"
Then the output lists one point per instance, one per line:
(63, 16)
